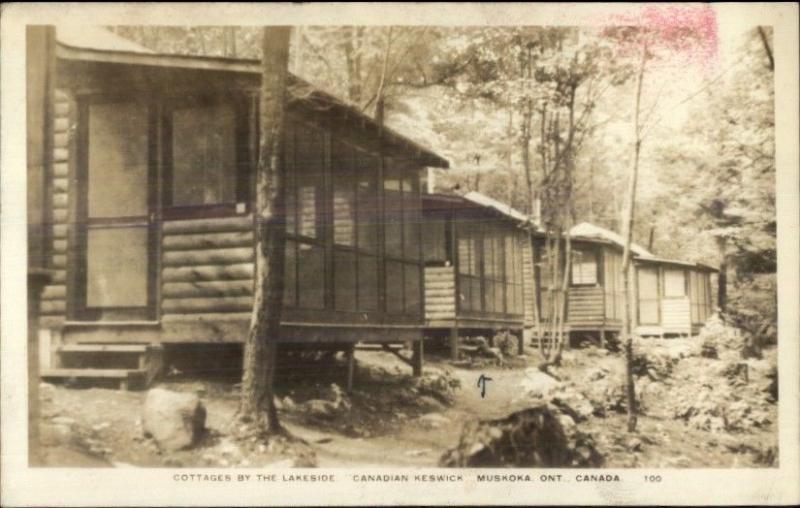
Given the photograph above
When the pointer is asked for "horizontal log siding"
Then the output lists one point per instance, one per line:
(440, 293)
(53, 305)
(585, 306)
(207, 266)
(676, 316)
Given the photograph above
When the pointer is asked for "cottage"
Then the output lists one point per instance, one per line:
(671, 297)
(150, 195)
(477, 256)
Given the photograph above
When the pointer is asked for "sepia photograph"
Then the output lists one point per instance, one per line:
(403, 250)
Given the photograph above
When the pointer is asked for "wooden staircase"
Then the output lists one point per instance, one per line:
(125, 365)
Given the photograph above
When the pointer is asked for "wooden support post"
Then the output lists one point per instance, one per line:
(351, 366)
(416, 357)
(454, 342)
(603, 337)
(521, 342)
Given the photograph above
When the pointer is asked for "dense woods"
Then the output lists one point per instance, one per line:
(542, 118)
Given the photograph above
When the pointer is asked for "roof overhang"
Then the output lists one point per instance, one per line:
(309, 95)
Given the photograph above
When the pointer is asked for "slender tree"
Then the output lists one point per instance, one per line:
(627, 224)
(260, 352)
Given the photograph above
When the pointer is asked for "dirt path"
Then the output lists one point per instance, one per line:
(387, 425)
(419, 443)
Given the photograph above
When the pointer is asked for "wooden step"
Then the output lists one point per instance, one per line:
(92, 373)
(125, 377)
(139, 362)
(103, 348)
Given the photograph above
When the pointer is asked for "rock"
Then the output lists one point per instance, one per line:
(288, 403)
(428, 403)
(434, 420)
(492, 352)
(596, 374)
(417, 453)
(101, 426)
(439, 384)
(174, 420)
(319, 408)
(63, 420)
(536, 383)
(634, 444)
(533, 437)
(772, 384)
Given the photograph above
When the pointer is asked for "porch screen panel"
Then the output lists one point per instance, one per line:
(402, 238)
(488, 273)
(519, 274)
(466, 255)
(117, 207)
(117, 157)
(368, 217)
(434, 242)
(499, 273)
(345, 273)
(204, 168)
(116, 277)
(648, 296)
(306, 169)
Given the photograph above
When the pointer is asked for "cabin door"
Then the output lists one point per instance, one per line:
(115, 278)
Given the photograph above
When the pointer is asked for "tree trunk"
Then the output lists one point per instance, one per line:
(722, 278)
(527, 117)
(767, 48)
(261, 344)
(626, 256)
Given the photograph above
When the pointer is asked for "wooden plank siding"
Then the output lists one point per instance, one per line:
(585, 306)
(529, 283)
(676, 316)
(54, 297)
(440, 293)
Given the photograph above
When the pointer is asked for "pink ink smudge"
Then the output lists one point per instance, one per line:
(689, 32)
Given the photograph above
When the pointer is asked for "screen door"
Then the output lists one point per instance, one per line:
(116, 212)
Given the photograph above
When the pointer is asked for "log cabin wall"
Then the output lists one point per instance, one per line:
(204, 267)
(53, 305)
(207, 266)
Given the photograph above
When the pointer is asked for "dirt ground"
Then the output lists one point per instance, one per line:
(391, 420)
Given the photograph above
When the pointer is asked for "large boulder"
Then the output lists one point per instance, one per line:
(540, 436)
(175, 420)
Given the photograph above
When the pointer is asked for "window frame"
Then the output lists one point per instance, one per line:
(243, 131)
(591, 254)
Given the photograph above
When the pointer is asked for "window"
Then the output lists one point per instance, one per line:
(203, 156)
(584, 267)
(674, 283)
(700, 296)
(648, 296)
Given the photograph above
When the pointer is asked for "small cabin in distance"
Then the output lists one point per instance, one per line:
(150, 199)
(595, 304)
(477, 254)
